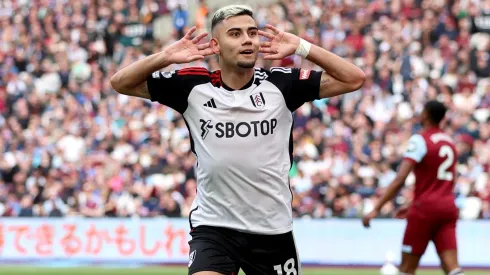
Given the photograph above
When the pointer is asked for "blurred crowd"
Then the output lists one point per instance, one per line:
(71, 145)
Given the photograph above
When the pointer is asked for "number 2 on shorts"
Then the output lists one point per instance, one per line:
(288, 268)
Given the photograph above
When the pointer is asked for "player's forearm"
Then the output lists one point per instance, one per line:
(390, 193)
(405, 168)
(135, 74)
(337, 67)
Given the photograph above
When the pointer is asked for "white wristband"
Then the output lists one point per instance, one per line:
(303, 48)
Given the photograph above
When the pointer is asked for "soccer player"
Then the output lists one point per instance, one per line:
(432, 215)
(240, 122)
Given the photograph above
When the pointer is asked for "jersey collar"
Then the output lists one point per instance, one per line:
(246, 86)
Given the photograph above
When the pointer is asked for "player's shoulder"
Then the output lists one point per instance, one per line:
(417, 137)
(193, 76)
(282, 72)
(437, 136)
(293, 73)
(416, 143)
(190, 72)
(280, 76)
(193, 71)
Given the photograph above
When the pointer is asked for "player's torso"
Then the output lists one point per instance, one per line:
(253, 122)
(241, 140)
(436, 173)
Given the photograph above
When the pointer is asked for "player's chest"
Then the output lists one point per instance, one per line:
(221, 116)
(250, 102)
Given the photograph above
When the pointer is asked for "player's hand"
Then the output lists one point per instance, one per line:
(281, 44)
(368, 217)
(188, 49)
(402, 212)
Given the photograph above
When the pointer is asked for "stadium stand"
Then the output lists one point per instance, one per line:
(70, 145)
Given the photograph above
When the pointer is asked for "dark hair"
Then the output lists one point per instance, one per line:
(436, 111)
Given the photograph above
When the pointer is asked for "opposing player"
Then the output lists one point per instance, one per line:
(432, 215)
(240, 121)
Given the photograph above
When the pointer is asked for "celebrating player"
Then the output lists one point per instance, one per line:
(240, 120)
(432, 215)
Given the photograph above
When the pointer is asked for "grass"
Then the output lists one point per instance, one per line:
(183, 271)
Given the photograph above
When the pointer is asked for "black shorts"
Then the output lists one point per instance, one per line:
(227, 251)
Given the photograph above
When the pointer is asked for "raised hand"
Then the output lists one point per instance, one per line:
(281, 44)
(188, 49)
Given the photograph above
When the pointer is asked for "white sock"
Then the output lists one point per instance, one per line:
(457, 271)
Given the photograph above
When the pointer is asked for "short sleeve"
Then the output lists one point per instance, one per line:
(416, 149)
(297, 85)
(172, 88)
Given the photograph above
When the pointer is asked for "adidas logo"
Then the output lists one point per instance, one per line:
(210, 103)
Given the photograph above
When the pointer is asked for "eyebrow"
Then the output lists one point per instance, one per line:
(238, 29)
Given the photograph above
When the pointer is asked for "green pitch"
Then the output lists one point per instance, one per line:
(182, 271)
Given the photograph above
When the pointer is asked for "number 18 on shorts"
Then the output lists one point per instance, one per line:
(289, 268)
(227, 251)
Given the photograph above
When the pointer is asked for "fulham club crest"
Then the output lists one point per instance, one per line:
(258, 100)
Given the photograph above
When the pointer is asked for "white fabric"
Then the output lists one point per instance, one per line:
(416, 149)
(303, 48)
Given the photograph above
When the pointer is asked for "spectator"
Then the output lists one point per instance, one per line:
(202, 14)
(180, 20)
(27, 209)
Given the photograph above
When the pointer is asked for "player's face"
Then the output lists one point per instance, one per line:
(237, 41)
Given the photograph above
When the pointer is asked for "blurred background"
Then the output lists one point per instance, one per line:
(73, 147)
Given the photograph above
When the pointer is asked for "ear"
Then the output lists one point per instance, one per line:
(213, 44)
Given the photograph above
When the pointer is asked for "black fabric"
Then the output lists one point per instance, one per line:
(297, 85)
(227, 251)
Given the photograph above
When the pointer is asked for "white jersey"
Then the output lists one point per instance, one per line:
(242, 140)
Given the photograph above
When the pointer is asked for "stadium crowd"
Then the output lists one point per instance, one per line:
(71, 145)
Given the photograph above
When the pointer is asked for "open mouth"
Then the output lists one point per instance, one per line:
(247, 52)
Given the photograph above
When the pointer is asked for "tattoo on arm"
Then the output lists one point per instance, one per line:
(142, 90)
(330, 86)
(325, 80)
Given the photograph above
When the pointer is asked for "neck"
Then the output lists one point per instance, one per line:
(430, 126)
(236, 78)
